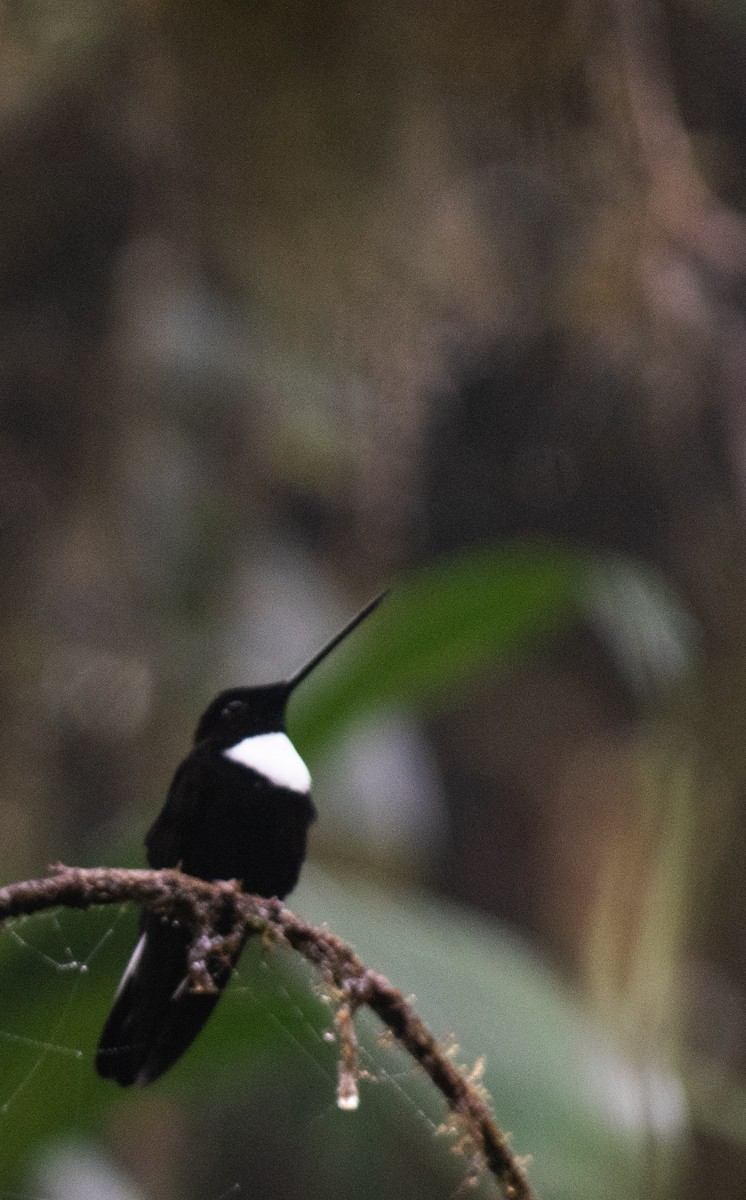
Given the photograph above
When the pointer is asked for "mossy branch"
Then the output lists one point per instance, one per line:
(208, 907)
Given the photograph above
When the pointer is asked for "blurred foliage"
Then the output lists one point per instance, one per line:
(296, 297)
(436, 629)
(547, 1065)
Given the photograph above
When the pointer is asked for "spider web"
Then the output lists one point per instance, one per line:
(49, 978)
(37, 939)
(58, 971)
(313, 1039)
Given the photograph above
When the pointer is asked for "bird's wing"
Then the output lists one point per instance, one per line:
(168, 835)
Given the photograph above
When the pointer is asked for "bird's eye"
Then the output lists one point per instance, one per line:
(233, 706)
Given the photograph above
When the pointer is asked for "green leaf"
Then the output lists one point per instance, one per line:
(438, 627)
(565, 1091)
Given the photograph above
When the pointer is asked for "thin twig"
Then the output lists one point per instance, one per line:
(209, 907)
(348, 1096)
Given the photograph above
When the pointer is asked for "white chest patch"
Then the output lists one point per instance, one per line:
(275, 757)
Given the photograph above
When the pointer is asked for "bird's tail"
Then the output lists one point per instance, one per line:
(155, 1016)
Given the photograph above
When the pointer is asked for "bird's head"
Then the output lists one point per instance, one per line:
(243, 712)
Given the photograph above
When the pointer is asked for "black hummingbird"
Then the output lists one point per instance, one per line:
(239, 807)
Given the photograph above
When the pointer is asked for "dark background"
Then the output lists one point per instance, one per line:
(297, 300)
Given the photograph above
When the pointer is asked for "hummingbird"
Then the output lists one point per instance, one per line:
(239, 807)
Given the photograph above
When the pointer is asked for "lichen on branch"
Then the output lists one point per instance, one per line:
(208, 908)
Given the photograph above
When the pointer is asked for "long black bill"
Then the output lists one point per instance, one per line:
(293, 682)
